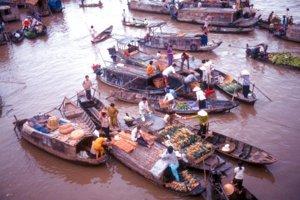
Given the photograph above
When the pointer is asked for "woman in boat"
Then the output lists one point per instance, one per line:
(202, 117)
(144, 108)
(170, 157)
(98, 146)
(104, 120)
(200, 96)
(245, 76)
(113, 115)
(136, 137)
(239, 176)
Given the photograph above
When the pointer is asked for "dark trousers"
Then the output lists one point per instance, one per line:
(202, 104)
(238, 183)
(202, 131)
(88, 94)
(141, 141)
(246, 90)
(106, 132)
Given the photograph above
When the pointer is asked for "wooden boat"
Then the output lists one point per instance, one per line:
(292, 33)
(141, 160)
(240, 150)
(157, 6)
(70, 147)
(17, 36)
(9, 12)
(138, 23)
(132, 78)
(103, 35)
(91, 107)
(187, 107)
(282, 59)
(4, 38)
(231, 87)
(219, 29)
(226, 17)
(184, 42)
(89, 5)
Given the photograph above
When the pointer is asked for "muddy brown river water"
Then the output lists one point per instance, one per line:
(54, 66)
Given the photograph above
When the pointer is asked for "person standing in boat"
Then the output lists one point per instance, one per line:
(144, 108)
(200, 96)
(270, 18)
(169, 100)
(104, 120)
(113, 115)
(170, 55)
(93, 32)
(98, 146)
(185, 57)
(245, 76)
(168, 71)
(202, 117)
(187, 81)
(170, 157)
(239, 176)
(124, 16)
(87, 85)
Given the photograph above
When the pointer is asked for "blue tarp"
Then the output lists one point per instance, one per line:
(55, 5)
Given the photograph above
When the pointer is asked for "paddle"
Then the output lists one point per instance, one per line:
(12, 82)
(254, 86)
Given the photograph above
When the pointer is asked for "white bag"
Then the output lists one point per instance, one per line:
(158, 168)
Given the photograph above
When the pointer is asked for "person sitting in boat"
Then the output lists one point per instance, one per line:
(150, 70)
(200, 96)
(137, 137)
(170, 157)
(202, 117)
(245, 75)
(132, 48)
(185, 57)
(144, 108)
(98, 146)
(93, 32)
(191, 78)
(290, 20)
(26, 23)
(128, 120)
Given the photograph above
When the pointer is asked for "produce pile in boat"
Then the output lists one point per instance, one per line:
(188, 183)
(284, 59)
(184, 141)
(232, 87)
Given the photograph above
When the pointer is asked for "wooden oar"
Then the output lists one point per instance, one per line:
(12, 82)
(254, 86)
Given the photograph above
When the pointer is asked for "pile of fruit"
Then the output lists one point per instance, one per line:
(198, 150)
(182, 106)
(284, 59)
(183, 140)
(232, 87)
(188, 184)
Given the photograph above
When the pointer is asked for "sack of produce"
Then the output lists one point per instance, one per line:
(66, 129)
(52, 123)
(77, 134)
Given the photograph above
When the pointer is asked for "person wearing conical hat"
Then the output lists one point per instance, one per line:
(202, 118)
(245, 76)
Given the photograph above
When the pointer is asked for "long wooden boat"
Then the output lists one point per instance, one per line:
(231, 87)
(71, 147)
(240, 150)
(219, 29)
(89, 5)
(138, 23)
(226, 17)
(132, 78)
(179, 41)
(141, 160)
(188, 107)
(106, 33)
(157, 6)
(282, 59)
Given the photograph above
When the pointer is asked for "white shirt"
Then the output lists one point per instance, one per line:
(143, 107)
(239, 173)
(134, 134)
(169, 97)
(170, 158)
(200, 95)
(168, 71)
(93, 32)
